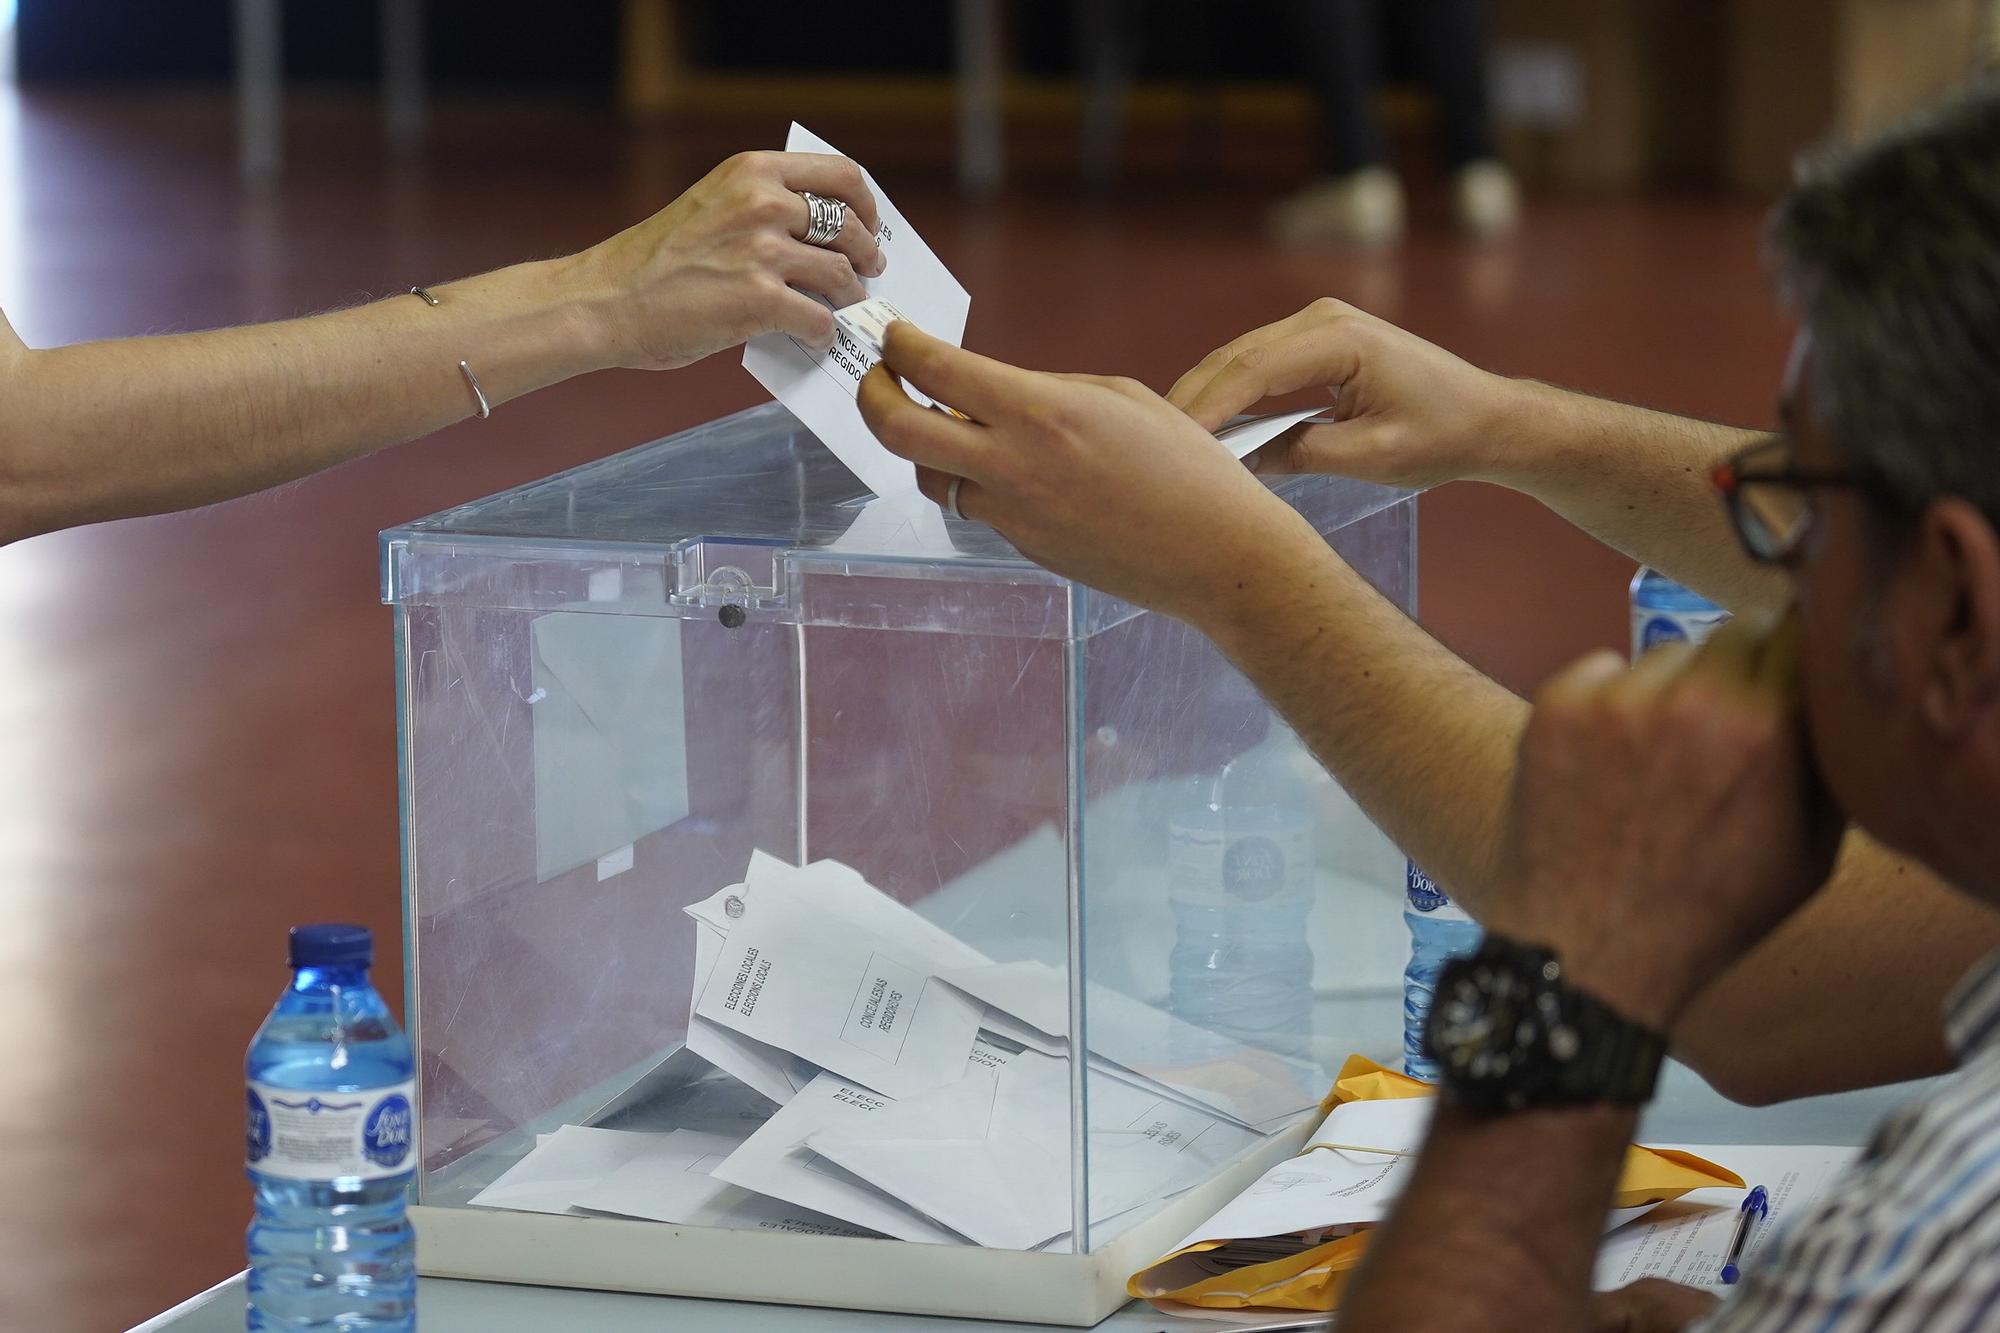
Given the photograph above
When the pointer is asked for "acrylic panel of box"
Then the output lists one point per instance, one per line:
(770, 855)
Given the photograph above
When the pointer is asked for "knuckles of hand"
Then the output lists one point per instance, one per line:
(756, 163)
(772, 208)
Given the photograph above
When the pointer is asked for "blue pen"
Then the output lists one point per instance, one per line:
(1756, 1207)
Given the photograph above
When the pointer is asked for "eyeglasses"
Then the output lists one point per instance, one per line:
(1768, 502)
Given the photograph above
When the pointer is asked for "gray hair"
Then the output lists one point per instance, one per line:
(1891, 252)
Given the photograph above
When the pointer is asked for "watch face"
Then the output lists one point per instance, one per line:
(1498, 1029)
(1477, 1021)
(1506, 1034)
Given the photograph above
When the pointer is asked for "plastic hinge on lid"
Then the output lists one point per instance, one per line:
(717, 573)
(332, 945)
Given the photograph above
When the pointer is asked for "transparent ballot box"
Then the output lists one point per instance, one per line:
(810, 899)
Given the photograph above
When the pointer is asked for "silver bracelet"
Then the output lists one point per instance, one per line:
(478, 394)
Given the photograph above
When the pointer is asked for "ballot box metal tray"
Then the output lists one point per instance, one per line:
(810, 899)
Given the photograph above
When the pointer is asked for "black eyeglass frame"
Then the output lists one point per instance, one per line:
(1729, 478)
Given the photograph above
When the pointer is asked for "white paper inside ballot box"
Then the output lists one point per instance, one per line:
(776, 1161)
(772, 885)
(672, 1183)
(1255, 1087)
(989, 1156)
(775, 1073)
(559, 1167)
(660, 1177)
(828, 991)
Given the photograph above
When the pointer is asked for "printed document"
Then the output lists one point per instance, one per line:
(832, 992)
(1686, 1241)
(775, 1073)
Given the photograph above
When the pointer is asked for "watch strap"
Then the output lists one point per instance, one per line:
(1616, 1060)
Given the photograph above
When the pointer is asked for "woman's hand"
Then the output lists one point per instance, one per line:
(725, 262)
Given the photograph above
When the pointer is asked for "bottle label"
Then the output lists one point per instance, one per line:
(1232, 858)
(1423, 896)
(307, 1135)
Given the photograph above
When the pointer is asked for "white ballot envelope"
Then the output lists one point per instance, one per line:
(1246, 437)
(904, 523)
(819, 390)
(775, 1073)
(670, 1182)
(1254, 1087)
(839, 889)
(610, 762)
(776, 1161)
(831, 991)
(989, 1156)
(560, 1166)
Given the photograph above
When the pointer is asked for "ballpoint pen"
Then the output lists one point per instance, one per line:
(1756, 1206)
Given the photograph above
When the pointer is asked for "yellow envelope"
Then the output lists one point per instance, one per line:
(1313, 1279)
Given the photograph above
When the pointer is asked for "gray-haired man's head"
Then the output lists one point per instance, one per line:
(1892, 253)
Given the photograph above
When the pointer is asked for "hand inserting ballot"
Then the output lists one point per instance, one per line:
(1099, 479)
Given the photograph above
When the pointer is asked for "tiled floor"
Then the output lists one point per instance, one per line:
(196, 730)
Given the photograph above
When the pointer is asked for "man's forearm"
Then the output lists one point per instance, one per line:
(1637, 480)
(1843, 995)
(1511, 1208)
(1418, 737)
(104, 430)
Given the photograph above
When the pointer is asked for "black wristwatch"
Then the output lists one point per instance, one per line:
(1508, 1034)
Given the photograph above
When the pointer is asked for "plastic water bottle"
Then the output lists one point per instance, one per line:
(1663, 611)
(1241, 880)
(1439, 931)
(329, 1140)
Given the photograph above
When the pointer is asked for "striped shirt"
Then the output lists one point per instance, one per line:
(1909, 1237)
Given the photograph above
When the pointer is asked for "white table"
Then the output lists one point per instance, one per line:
(1685, 1112)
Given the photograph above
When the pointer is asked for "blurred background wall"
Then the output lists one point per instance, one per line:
(1606, 94)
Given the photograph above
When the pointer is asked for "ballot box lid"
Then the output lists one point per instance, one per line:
(751, 517)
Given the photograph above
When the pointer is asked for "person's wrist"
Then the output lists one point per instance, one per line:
(1650, 987)
(1512, 431)
(584, 302)
(1259, 589)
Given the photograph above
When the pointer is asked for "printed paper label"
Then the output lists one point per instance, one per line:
(330, 1135)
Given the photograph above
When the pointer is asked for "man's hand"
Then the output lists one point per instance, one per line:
(1650, 1305)
(1410, 413)
(720, 264)
(1097, 479)
(1666, 817)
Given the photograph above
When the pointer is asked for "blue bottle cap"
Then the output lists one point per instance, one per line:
(332, 946)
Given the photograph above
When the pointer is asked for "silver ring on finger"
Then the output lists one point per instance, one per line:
(824, 218)
(951, 499)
